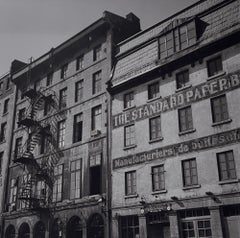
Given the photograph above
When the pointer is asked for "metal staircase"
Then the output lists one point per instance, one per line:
(40, 170)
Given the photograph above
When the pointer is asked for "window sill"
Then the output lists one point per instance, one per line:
(159, 192)
(216, 76)
(153, 99)
(131, 196)
(222, 122)
(128, 108)
(156, 140)
(187, 132)
(192, 187)
(129, 147)
(183, 88)
(228, 181)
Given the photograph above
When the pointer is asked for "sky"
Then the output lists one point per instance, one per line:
(30, 28)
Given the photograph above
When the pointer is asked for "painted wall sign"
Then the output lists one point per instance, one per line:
(180, 99)
(202, 143)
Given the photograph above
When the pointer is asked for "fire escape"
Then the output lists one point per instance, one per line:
(37, 188)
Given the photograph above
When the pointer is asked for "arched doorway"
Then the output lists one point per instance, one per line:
(74, 228)
(10, 232)
(24, 231)
(57, 229)
(95, 226)
(39, 230)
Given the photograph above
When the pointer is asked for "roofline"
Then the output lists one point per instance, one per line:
(60, 47)
(161, 22)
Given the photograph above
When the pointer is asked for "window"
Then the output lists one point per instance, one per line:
(182, 79)
(64, 71)
(128, 100)
(97, 118)
(226, 166)
(23, 191)
(130, 183)
(129, 135)
(178, 39)
(8, 83)
(153, 90)
(185, 119)
(18, 147)
(44, 145)
(158, 178)
(63, 98)
(129, 227)
(214, 66)
(61, 134)
(1, 85)
(219, 109)
(3, 131)
(80, 62)
(49, 79)
(13, 192)
(6, 105)
(95, 173)
(77, 128)
(97, 84)
(189, 168)
(155, 128)
(75, 171)
(79, 91)
(1, 162)
(58, 184)
(47, 108)
(21, 116)
(97, 53)
(196, 223)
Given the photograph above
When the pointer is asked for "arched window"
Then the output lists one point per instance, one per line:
(10, 232)
(24, 231)
(95, 226)
(39, 230)
(74, 228)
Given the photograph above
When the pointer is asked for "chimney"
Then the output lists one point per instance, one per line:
(134, 19)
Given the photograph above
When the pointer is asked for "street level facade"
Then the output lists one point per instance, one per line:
(175, 93)
(57, 182)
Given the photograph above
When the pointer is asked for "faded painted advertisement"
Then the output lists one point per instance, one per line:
(207, 142)
(188, 96)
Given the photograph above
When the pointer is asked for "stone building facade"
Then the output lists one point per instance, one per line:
(175, 94)
(57, 181)
(7, 102)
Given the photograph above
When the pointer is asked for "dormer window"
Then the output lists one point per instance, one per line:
(177, 36)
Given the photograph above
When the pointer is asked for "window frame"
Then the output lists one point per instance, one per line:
(57, 195)
(63, 71)
(214, 62)
(96, 119)
(190, 175)
(97, 82)
(131, 182)
(227, 165)
(80, 62)
(63, 98)
(49, 79)
(223, 115)
(156, 128)
(79, 90)
(181, 80)
(76, 124)
(132, 137)
(3, 132)
(6, 106)
(73, 176)
(160, 174)
(61, 134)
(128, 100)
(97, 52)
(184, 122)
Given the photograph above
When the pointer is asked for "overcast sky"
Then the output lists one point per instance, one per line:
(31, 27)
